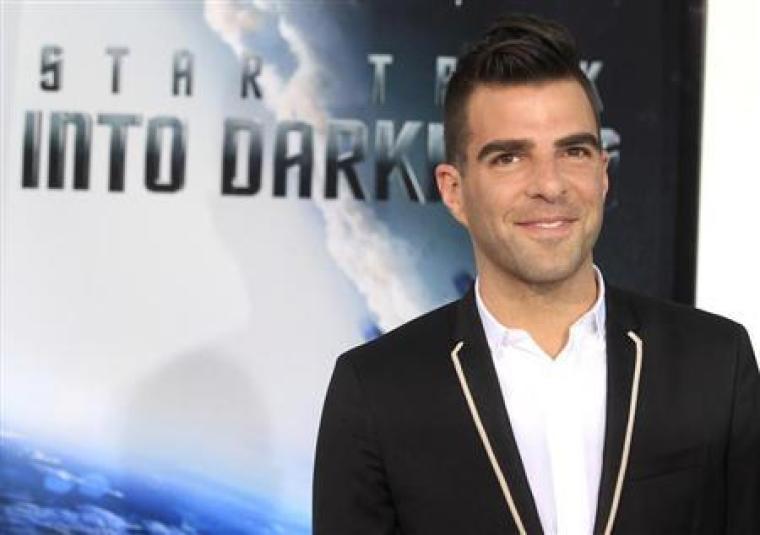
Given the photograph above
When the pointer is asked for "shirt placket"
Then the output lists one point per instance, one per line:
(565, 442)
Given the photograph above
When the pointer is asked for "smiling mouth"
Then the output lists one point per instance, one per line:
(547, 223)
(553, 226)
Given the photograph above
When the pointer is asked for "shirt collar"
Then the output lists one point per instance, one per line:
(497, 334)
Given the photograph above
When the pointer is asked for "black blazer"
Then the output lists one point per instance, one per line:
(398, 452)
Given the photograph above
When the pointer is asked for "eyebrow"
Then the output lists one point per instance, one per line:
(504, 145)
(522, 145)
(582, 138)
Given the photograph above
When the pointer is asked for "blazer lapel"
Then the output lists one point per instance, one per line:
(478, 367)
(620, 366)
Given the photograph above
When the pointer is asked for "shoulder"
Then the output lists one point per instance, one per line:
(676, 320)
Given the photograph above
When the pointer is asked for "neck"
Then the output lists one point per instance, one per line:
(545, 310)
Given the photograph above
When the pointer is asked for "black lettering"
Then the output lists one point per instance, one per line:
(391, 155)
(116, 53)
(30, 176)
(444, 69)
(303, 159)
(51, 68)
(119, 124)
(380, 62)
(183, 72)
(251, 68)
(154, 149)
(59, 131)
(353, 133)
(232, 129)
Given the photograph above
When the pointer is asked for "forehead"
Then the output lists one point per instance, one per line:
(541, 112)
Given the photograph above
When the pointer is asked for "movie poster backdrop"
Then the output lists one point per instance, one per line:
(203, 204)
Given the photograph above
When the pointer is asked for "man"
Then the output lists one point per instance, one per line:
(543, 401)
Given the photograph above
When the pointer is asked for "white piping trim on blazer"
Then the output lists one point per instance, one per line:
(486, 443)
(495, 464)
(628, 431)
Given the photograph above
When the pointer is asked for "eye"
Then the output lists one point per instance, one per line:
(506, 158)
(578, 151)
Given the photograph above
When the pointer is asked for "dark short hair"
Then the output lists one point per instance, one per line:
(518, 49)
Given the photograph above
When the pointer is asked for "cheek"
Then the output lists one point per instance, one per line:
(489, 198)
(489, 211)
(591, 192)
(594, 201)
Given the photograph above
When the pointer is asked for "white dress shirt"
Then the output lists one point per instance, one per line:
(557, 410)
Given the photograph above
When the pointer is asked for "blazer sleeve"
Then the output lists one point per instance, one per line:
(350, 493)
(743, 460)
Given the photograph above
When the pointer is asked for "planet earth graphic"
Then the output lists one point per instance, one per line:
(44, 492)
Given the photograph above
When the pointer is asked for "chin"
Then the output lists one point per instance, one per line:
(548, 272)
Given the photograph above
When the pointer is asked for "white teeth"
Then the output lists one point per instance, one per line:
(554, 224)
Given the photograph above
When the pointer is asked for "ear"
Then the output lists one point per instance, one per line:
(450, 184)
(605, 176)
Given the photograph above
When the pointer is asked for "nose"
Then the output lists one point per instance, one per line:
(546, 181)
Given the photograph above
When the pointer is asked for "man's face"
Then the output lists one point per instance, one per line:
(531, 192)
